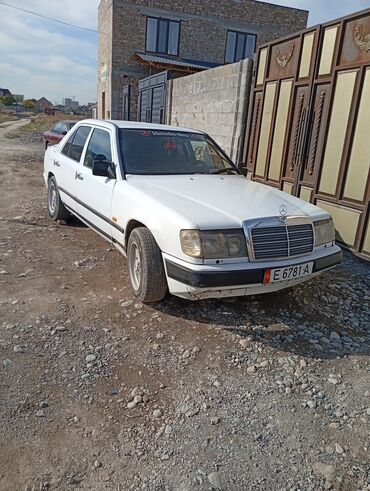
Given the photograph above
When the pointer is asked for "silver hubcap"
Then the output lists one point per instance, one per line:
(135, 266)
(52, 198)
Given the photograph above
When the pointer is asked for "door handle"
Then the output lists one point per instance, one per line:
(56, 163)
(79, 176)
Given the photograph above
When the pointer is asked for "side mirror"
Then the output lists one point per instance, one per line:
(103, 168)
(64, 133)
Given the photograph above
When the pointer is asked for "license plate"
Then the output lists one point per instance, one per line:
(288, 273)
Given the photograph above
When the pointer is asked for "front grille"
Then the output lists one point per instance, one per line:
(283, 241)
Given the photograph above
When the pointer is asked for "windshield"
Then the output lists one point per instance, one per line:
(158, 152)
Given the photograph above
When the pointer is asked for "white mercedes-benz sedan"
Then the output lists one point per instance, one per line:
(186, 218)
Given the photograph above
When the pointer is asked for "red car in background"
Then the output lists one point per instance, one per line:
(57, 132)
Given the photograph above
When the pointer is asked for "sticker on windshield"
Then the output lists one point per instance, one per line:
(167, 134)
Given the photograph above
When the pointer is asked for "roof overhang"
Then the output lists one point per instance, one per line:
(176, 64)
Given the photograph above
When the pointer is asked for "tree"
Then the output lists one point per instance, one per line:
(7, 100)
(29, 104)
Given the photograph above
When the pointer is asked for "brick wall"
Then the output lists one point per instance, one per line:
(105, 46)
(214, 101)
(204, 25)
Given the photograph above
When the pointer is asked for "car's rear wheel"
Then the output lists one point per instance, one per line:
(145, 264)
(56, 208)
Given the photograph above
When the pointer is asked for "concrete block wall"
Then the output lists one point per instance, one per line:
(215, 101)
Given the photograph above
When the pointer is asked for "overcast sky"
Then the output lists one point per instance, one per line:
(41, 58)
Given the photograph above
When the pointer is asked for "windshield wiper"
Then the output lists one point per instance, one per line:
(227, 170)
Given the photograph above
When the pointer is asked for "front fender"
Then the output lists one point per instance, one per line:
(130, 204)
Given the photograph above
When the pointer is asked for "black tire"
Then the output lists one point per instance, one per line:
(56, 208)
(148, 278)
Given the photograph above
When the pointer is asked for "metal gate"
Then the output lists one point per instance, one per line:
(310, 122)
(152, 98)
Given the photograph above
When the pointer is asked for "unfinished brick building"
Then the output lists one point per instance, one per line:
(141, 38)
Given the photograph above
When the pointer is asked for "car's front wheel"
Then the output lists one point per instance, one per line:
(56, 208)
(147, 275)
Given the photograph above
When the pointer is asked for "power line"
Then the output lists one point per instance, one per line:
(48, 18)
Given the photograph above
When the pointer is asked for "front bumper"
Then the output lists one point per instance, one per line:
(190, 281)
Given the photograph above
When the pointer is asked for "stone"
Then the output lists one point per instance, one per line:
(215, 420)
(157, 413)
(18, 349)
(61, 329)
(334, 426)
(40, 413)
(251, 369)
(131, 405)
(186, 354)
(7, 363)
(244, 343)
(215, 480)
(90, 358)
(138, 399)
(335, 336)
(333, 381)
(339, 449)
(126, 304)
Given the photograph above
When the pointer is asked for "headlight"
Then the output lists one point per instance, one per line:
(213, 244)
(324, 232)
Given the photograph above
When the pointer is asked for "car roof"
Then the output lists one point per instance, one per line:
(139, 126)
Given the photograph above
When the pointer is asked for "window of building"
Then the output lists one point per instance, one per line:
(162, 36)
(99, 144)
(103, 105)
(239, 45)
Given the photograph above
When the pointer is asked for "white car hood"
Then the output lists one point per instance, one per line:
(211, 201)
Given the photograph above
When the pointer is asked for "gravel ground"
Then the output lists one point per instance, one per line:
(100, 392)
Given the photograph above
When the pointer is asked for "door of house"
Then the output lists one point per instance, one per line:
(126, 94)
(152, 98)
(310, 122)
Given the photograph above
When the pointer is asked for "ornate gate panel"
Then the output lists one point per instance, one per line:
(310, 122)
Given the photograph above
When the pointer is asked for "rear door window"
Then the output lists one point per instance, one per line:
(67, 146)
(77, 145)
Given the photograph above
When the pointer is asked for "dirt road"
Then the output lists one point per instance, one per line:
(98, 392)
